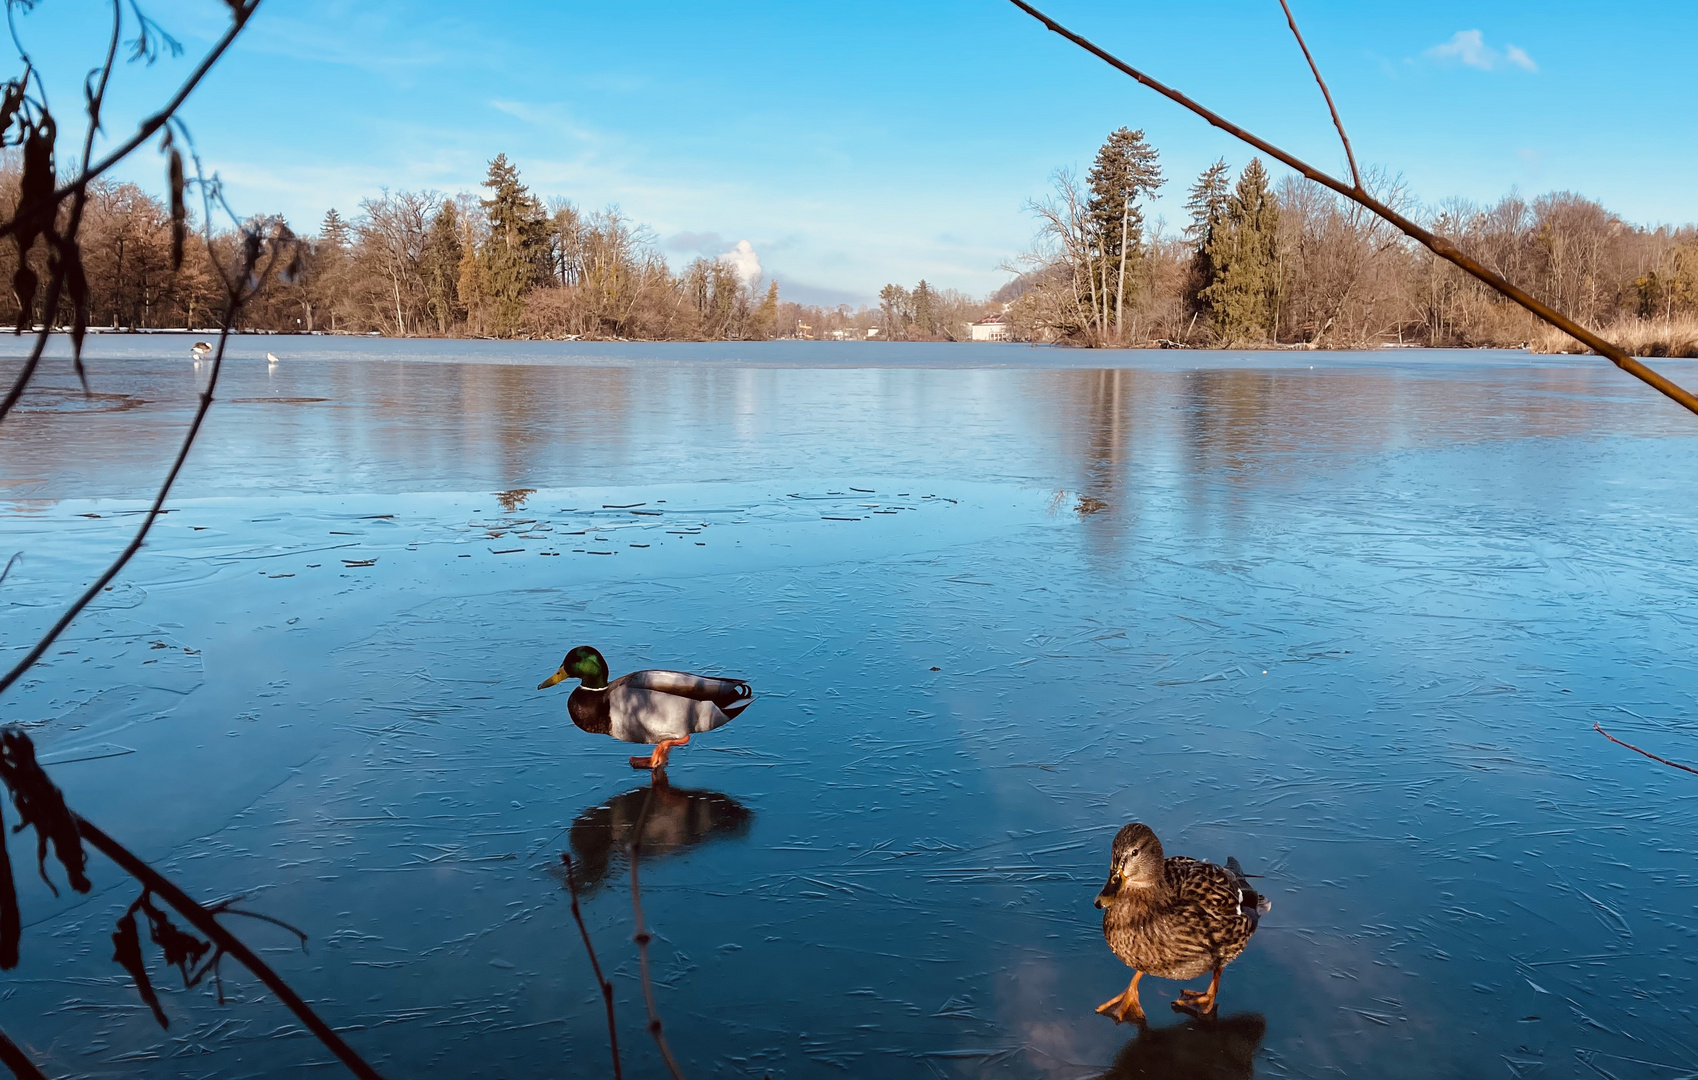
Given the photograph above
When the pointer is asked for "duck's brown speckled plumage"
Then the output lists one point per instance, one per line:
(1174, 918)
(1194, 922)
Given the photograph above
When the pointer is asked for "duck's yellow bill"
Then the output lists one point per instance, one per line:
(558, 676)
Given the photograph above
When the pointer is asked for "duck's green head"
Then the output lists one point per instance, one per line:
(583, 664)
(1135, 862)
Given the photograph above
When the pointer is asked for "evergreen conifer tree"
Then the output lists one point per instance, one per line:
(765, 318)
(330, 263)
(1126, 169)
(1243, 298)
(473, 295)
(334, 231)
(515, 257)
(439, 266)
(924, 302)
(1206, 203)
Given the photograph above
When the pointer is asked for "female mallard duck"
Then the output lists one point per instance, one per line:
(660, 707)
(1174, 919)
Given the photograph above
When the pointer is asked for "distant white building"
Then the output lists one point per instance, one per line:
(990, 328)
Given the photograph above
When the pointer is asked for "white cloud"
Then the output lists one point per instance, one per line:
(553, 118)
(743, 259)
(1469, 48)
(1515, 55)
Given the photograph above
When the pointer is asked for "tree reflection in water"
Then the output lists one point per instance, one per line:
(1222, 1049)
(680, 819)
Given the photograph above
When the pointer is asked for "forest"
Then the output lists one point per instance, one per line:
(1262, 262)
(1259, 262)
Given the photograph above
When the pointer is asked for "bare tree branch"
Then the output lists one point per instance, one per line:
(642, 939)
(595, 965)
(1355, 176)
(1636, 750)
(67, 275)
(241, 12)
(55, 285)
(153, 513)
(204, 921)
(18, 1061)
(1438, 245)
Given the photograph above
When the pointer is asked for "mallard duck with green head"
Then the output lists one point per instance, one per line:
(1173, 918)
(662, 708)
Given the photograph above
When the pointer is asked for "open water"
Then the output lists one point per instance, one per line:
(1351, 623)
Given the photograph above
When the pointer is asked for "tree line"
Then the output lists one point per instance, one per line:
(501, 262)
(1261, 262)
(1258, 262)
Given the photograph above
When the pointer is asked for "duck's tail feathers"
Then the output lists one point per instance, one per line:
(1251, 904)
(743, 694)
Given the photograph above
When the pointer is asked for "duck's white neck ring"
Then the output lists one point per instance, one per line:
(594, 689)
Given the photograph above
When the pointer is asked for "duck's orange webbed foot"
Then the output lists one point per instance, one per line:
(1124, 1006)
(657, 760)
(1199, 1003)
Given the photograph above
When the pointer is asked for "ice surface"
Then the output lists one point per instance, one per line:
(1351, 625)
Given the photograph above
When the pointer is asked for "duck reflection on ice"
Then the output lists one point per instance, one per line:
(1199, 1049)
(680, 819)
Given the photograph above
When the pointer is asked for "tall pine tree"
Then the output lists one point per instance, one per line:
(1206, 202)
(515, 257)
(765, 318)
(1125, 170)
(328, 286)
(439, 266)
(1243, 298)
(924, 302)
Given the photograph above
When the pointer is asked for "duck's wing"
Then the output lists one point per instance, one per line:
(1220, 899)
(641, 715)
(1252, 903)
(732, 696)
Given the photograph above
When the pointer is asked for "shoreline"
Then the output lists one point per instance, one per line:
(1641, 346)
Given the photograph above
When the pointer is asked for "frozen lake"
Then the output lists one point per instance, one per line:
(1348, 617)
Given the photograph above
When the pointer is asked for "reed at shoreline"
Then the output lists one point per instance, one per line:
(1674, 336)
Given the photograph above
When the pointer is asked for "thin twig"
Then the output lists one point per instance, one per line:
(239, 288)
(204, 921)
(642, 939)
(18, 1061)
(223, 907)
(50, 307)
(1636, 750)
(96, 102)
(1355, 177)
(240, 14)
(153, 513)
(79, 185)
(1438, 245)
(595, 965)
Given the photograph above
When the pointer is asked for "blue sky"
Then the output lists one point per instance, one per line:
(855, 144)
